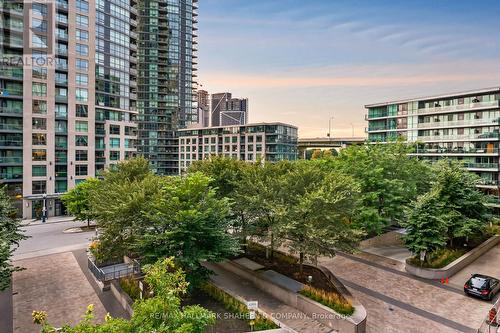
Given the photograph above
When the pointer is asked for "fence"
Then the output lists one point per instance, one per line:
(491, 326)
(112, 272)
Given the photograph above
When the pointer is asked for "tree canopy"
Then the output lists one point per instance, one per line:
(77, 200)
(10, 236)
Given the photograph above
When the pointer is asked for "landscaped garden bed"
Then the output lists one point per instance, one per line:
(319, 288)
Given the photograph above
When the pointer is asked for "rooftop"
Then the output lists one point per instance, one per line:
(236, 126)
(456, 94)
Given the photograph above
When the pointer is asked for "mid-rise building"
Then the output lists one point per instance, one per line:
(463, 126)
(228, 111)
(203, 101)
(264, 141)
(166, 78)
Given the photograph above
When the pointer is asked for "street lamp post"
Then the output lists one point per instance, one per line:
(330, 128)
(44, 209)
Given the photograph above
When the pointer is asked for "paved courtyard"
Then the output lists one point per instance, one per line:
(488, 264)
(56, 284)
(399, 303)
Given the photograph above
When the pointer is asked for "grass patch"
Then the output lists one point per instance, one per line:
(236, 307)
(437, 259)
(329, 299)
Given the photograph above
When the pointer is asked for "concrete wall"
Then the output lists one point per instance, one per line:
(391, 238)
(455, 266)
(352, 324)
(122, 297)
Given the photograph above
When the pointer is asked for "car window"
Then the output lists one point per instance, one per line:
(478, 282)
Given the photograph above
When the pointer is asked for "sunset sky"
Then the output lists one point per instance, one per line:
(303, 62)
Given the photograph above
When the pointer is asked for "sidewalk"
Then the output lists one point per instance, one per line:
(53, 219)
(289, 316)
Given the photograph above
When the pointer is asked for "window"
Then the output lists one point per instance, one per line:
(39, 73)
(61, 78)
(114, 129)
(82, 110)
(114, 155)
(81, 155)
(39, 25)
(39, 187)
(82, 6)
(39, 123)
(82, 64)
(81, 170)
(82, 35)
(61, 111)
(39, 139)
(81, 126)
(39, 89)
(82, 20)
(82, 95)
(82, 50)
(39, 41)
(82, 79)
(460, 131)
(39, 107)
(39, 9)
(81, 140)
(39, 154)
(39, 171)
(114, 142)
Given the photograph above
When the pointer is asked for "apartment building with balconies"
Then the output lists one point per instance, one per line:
(65, 94)
(252, 142)
(463, 126)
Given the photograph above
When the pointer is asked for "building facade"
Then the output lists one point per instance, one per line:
(265, 141)
(463, 126)
(166, 78)
(228, 111)
(203, 101)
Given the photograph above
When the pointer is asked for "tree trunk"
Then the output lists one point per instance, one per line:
(301, 264)
(272, 245)
(88, 223)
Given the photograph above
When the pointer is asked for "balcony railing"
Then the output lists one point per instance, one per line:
(472, 122)
(11, 127)
(11, 159)
(458, 137)
(456, 151)
(11, 176)
(11, 143)
(481, 165)
(451, 108)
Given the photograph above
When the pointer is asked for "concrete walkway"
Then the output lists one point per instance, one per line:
(289, 316)
(55, 284)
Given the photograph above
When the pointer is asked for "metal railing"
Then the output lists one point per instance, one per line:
(491, 326)
(113, 272)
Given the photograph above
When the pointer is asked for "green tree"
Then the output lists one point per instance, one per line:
(228, 176)
(463, 205)
(389, 179)
(426, 230)
(10, 236)
(126, 192)
(162, 313)
(77, 200)
(190, 222)
(320, 210)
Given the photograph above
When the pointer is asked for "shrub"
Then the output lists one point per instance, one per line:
(438, 259)
(131, 287)
(234, 306)
(329, 299)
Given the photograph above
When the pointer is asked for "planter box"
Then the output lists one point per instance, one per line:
(455, 266)
(356, 323)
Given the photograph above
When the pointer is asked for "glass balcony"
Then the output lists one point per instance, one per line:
(471, 122)
(452, 108)
(11, 127)
(11, 159)
(11, 72)
(11, 143)
(11, 176)
(456, 150)
(482, 165)
(464, 137)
